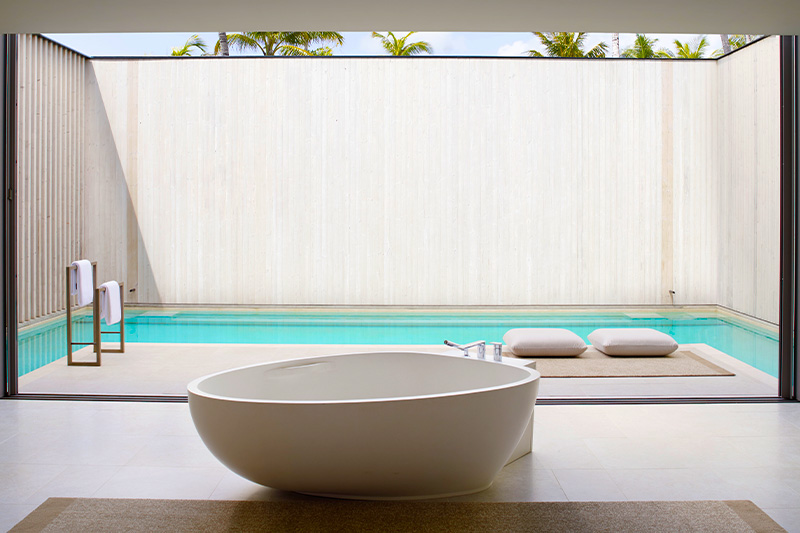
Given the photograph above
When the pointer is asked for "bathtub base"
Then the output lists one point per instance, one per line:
(397, 498)
(525, 444)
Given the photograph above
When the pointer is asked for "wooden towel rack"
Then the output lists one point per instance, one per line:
(96, 330)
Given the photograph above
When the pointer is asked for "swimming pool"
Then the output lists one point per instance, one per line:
(749, 341)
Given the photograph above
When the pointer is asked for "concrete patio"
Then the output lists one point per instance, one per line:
(166, 369)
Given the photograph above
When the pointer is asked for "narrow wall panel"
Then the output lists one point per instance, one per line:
(749, 197)
(49, 98)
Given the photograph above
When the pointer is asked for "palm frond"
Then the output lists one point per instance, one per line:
(737, 41)
(269, 41)
(701, 46)
(245, 42)
(306, 39)
(196, 42)
(398, 47)
(568, 44)
(323, 37)
(192, 42)
(417, 48)
(642, 48)
(545, 40)
(385, 42)
(321, 51)
(597, 51)
(292, 50)
(694, 50)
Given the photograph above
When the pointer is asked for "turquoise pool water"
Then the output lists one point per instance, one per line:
(748, 341)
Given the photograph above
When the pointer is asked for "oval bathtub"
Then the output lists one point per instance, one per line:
(379, 425)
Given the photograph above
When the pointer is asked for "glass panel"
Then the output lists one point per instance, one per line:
(474, 201)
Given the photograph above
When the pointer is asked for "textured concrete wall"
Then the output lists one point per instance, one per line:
(749, 174)
(50, 186)
(432, 181)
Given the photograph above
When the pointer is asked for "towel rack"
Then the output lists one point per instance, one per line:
(121, 332)
(96, 331)
(96, 310)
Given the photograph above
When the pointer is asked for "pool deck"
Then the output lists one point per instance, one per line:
(166, 369)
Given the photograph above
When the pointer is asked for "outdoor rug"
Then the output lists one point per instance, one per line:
(83, 515)
(595, 364)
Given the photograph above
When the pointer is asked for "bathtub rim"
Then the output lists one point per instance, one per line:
(193, 386)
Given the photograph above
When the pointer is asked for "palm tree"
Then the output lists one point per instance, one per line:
(644, 48)
(732, 42)
(694, 50)
(192, 42)
(566, 44)
(223, 44)
(271, 43)
(290, 50)
(737, 41)
(726, 43)
(398, 47)
(615, 45)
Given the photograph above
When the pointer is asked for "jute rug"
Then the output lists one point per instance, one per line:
(82, 515)
(595, 364)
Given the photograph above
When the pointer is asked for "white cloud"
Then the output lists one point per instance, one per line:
(370, 46)
(518, 48)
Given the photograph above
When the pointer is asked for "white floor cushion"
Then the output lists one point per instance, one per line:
(543, 342)
(632, 341)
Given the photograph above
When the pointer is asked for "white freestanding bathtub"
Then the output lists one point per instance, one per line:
(379, 425)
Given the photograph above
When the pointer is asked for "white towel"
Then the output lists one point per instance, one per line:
(81, 282)
(110, 305)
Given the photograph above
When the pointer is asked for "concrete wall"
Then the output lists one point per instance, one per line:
(749, 173)
(50, 186)
(434, 181)
(111, 217)
(691, 181)
(388, 181)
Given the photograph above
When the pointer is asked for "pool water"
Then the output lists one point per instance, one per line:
(748, 341)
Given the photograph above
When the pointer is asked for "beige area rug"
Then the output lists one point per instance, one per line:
(83, 515)
(595, 364)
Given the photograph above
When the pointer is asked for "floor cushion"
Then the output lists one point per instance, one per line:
(632, 341)
(543, 342)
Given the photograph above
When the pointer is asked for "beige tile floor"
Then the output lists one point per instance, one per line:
(168, 368)
(599, 453)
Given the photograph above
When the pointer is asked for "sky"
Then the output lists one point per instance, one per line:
(356, 43)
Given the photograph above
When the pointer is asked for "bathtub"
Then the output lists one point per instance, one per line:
(384, 425)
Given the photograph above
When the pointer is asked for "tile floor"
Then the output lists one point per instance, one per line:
(623, 452)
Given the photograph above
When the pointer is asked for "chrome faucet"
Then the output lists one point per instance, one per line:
(498, 351)
(465, 348)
